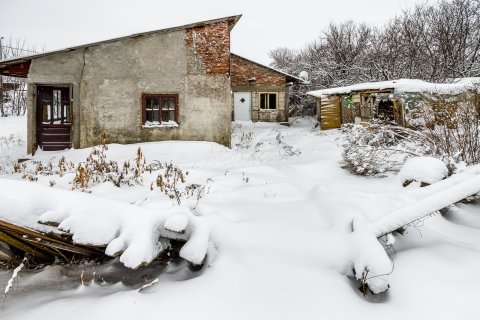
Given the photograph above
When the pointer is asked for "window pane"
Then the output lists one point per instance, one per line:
(66, 112)
(46, 115)
(272, 101)
(152, 103)
(164, 103)
(149, 115)
(263, 101)
(165, 116)
(172, 103)
(57, 106)
(172, 115)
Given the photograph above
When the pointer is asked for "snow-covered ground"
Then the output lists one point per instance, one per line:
(13, 137)
(279, 209)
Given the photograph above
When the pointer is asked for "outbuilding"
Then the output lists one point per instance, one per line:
(260, 93)
(169, 84)
(394, 101)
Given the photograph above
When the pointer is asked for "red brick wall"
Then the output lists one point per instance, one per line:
(212, 43)
(242, 70)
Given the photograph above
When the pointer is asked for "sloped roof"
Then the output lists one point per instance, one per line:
(403, 85)
(26, 59)
(290, 78)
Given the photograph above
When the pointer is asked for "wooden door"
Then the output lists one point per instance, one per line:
(330, 113)
(54, 118)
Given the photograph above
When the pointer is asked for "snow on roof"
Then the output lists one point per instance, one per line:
(403, 85)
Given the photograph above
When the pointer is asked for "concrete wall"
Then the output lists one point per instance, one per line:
(109, 79)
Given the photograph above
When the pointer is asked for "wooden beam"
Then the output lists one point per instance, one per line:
(15, 70)
(42, 240)
(15, 243)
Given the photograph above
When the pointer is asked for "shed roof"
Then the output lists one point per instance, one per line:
(19, 66)
(403, 85)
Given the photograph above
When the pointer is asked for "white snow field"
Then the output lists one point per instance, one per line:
(276, 224)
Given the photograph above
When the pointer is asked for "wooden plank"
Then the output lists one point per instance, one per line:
(63, 246)
(41, 238)
(25, 241)
(56, 138)
(15, 243)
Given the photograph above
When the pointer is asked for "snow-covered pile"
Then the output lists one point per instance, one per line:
(423, 169)
(138, 235)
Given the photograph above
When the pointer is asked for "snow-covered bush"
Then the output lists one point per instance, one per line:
(32, 169)
(451, 127)
(444, 128)
(245, 141)
(287, 150)
(97, 169)
(170, 182)
(379, 148)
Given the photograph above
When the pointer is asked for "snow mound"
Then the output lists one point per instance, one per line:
(423, 169)
(176, 223)
(136, 234)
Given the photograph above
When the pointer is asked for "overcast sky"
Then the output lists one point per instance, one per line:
(265, 25)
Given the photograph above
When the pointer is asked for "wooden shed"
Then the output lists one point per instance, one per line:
(386, 100)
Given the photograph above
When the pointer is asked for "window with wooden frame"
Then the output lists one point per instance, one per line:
(160, 110)
(56, 106)
(268, 100)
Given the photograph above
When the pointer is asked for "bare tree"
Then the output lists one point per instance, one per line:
(12, 89)
(433, 42)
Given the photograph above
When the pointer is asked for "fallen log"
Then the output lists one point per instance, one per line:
(453, 191)
(430, 199)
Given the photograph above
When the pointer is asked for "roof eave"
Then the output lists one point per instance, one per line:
(232, 21)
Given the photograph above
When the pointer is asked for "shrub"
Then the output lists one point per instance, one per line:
(448, 130)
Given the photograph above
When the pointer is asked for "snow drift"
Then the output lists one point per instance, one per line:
(138, 235)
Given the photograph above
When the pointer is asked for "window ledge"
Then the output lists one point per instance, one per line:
(155, 124)
(268, 110)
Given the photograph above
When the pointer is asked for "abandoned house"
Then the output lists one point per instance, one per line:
(260, 93)
(393, 101)
(169, 84)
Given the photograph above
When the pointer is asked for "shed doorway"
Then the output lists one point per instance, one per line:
(242, 106)
(54, 118)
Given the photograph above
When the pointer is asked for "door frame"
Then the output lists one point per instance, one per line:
(59, 134)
